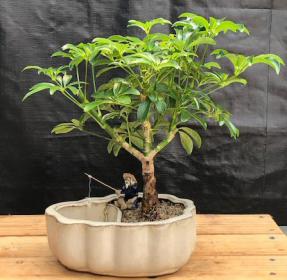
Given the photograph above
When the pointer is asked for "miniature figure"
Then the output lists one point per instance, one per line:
(128, 194)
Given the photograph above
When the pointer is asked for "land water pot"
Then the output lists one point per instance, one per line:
(88, 235)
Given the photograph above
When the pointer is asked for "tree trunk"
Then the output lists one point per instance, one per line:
(150, 196)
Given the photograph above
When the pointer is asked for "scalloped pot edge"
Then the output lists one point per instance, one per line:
(88, 235)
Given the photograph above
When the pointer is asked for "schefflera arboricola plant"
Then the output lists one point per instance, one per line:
(165, 81)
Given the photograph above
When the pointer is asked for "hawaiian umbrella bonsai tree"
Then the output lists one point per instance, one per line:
(167, 80)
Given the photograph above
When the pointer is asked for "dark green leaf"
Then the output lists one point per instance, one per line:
(160, 106)
(143, 110)
(137, 141)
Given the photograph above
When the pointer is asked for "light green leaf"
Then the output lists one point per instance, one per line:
(116, 149)
(131, 91)
(211, 64)
(272, 60)
(200, 120)
(185, 116)
(63, 128)
(74, 90)
(233, 80)
(66, 79)
(234, 131)
(110, 146)
(193, 134)
(124, 99)
(202, 40)
(37, 88)
(199, 20)
(32, 67)
(139, 24)
(61, 54)
(186, 142)
(168, 64)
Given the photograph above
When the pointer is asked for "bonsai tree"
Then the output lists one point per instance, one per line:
(162, 82)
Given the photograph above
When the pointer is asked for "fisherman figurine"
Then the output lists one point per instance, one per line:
(128, 194)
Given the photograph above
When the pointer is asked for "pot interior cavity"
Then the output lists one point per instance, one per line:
(91, 211)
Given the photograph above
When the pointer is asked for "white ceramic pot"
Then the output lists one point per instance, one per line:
(87, 235)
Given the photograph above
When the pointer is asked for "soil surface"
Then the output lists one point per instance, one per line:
(165, 210)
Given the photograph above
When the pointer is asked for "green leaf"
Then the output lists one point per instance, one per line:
(74, 90)
(53, 90)
(233, 80)
(196, 103)
(211, 64)
(92, 105)
(199, 20)
(160, 21)
(240, 62)
(160, 106)
(116, 149)
(37, 88)
(200, 120)
(203, 40)
(66, 79)
(234, 131)
(228, 25)
(186, 142)
(110, 116)
(137, 141)
(168, 64)
(185, 115)
(110, 146)
(130, 91)
(193, 134)
(272, 60)
(32, 67)
(143, 110)
(139, 24)
(104, 70)
(61, 54)
(147, 26)
(124, 99)
(116, 88)
(63, 128)
(84, 117)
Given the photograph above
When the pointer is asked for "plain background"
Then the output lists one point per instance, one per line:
(226, 176)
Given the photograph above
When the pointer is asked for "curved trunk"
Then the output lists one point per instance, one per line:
(150, 195)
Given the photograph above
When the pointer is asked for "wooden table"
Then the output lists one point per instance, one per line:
(229, 247)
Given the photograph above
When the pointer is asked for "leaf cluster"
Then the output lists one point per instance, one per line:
(169, 80)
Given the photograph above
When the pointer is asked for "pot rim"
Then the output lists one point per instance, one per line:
(52, 210)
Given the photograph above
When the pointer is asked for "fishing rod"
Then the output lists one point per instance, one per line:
(99, 181)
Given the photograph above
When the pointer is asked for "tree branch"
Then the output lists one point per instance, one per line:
(133, 151)
(163, 144)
